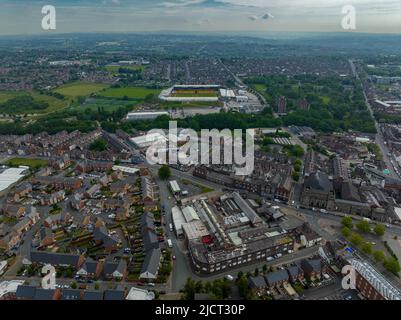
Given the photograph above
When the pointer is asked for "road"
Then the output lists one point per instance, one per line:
(380, 141)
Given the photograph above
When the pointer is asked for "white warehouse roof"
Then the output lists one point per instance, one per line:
(174, 186)
(11, 176)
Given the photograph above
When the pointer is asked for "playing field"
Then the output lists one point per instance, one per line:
(54, 103)
(129, 92)
(80, 89)
(7, 95)
(116, 68)
(32, 163)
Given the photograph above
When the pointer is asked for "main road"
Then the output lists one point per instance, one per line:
(380, 141)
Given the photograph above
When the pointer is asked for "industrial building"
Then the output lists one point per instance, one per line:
(10, 176)
(223, 231)
(146, 115)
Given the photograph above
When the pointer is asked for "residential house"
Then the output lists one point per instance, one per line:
(151, 264)
(91, 269)
(295, 273)
(47, 237)
(101, 236)
(313, 268)
(277, 278)
(115, 270)
(257, 283)
(57, 259)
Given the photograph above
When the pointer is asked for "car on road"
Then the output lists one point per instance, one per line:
(229, 277)
(174, 257)
(323, 211)
(151, 284)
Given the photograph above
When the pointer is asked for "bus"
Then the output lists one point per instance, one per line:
(169, 243)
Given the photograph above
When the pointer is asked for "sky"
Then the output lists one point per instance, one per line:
(373, 16)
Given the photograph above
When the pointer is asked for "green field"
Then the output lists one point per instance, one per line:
(80, 89)
(116, 68)
(129, 92)
(194, 104)
(54, 103)
(106, 104)
(32, 163)
(261, 88)
(7, 95)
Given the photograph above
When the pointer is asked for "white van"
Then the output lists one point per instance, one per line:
(169, 243)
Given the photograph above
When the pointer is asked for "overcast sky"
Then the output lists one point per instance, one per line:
(24, 16)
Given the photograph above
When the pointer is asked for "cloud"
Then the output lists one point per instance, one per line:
(267, 15)
(181, 3)
(253, 18)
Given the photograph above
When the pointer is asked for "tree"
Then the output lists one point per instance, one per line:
(379, 255)
(392, 265)
(367, 247)
(295, 176)
(189, 289)
(346, 232)
(379, 229)
(363, 226)
(96, 286)
(347, 222)
(98, 145)
(356, 239)
(73, 285)
(164, 172)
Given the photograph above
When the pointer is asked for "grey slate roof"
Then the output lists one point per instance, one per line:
(257, 282)
(150, 240)
(152, 261)
(274, 277)
(318, 181)
(71, 294)
(44, 294)
(294, 271)
(114, 295)
(93, 295)
(26, 292)
(55, 258)
(313, 265)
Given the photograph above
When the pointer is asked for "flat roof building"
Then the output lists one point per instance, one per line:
(146, 115)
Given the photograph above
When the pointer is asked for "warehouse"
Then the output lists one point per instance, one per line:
(178, 221)
(148, 115)
(174, 187)
(149, 139)
(10, 176)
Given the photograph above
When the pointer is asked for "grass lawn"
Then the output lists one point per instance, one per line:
(193, 104)
(116, 68)
(54, 103)
(106, 104)
(7, 95)
(326, 100)
(129, 92)
(80, 89)
(32, 163)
